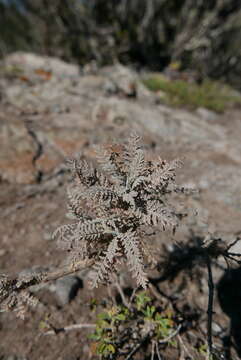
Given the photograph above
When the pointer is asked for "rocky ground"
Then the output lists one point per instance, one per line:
(50, 110)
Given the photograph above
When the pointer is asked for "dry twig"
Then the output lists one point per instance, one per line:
(210, 307)
(11, 289)
(70, 328)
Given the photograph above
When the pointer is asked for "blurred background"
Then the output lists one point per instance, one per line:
(201, 35)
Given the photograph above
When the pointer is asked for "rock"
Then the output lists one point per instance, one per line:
(216, 328)
(120, 79)
(206, 114)
(70, 115)
(32, 62)
(224, 182)
(66, 288)
(62, 140)
(177, 126)
(110, 88)
(17, 150)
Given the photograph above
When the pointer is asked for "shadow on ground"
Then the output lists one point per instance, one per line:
(229, 296)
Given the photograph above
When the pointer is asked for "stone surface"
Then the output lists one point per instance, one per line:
(66, 288)
(120, 79)
(60, 116)
(28, 61)
(17, 150)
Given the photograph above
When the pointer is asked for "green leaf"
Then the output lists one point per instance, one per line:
(110, 348)
(104, 316)
(103, 324)
(141, 300)
(121, 317)
(105, 348)
(94, 337)
(149, 312)
(101, 348)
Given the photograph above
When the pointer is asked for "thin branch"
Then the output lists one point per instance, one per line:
(9, 286)
(184, 346)
(154, 292)
(152, 349)
(158, 352)
(233, 243)
(210, 306)
(70, 328)
(132, 295)
(234, 254)
(122, 295)
(172, 335)
(163, 341)
(134, 351)
(70, 269)
(233, 259)
(110, 294)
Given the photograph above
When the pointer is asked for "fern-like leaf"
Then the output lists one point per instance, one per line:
(103, 266)
(129, 241)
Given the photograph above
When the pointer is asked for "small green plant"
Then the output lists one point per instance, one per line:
(163, 323)
(106, 331)
(210, 94)
(120, 328)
